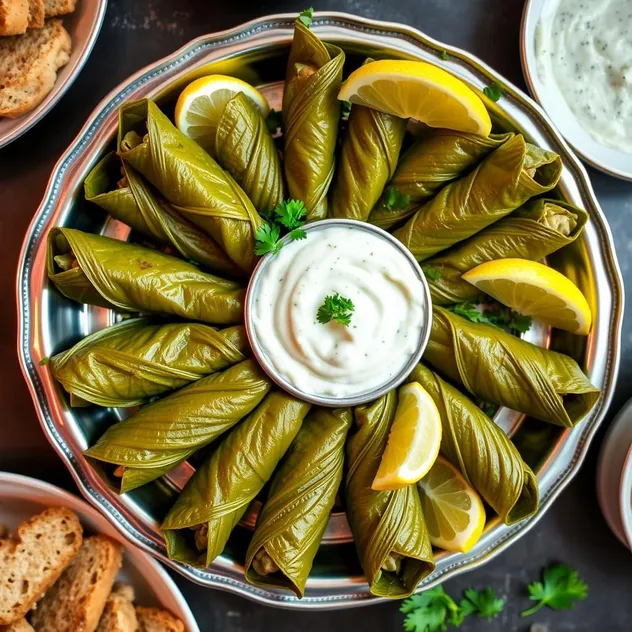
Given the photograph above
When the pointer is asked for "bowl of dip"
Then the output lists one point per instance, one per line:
(577, 61)
(376, 341)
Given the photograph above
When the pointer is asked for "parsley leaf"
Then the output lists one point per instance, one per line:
(434, 274)
(298, 233)
(273, 121)
(335, 307)
(306, 16)
(501, 316)
(468, 310)
(560, 588)
(493, 92)
(395, 201)
(345, 108)
(44, 361)
(290, 213)
(444, 55)
(429, 611)
(483, 603)
(267, 239)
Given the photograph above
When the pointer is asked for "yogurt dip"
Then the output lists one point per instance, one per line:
(388, 325)
(584, 50)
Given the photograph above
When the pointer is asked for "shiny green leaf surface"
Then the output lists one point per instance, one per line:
(483, 453)
(194, 184)
(437, 158)
(131, 362)
(504, 181)
(165, 433)
(311, 112)
(532, 232)
(370, 150)
(388, 526)
(508, 371)
(123, 276)
(301, 497)
(220, 491)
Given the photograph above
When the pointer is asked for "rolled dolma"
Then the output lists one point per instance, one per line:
(505, 370)
(119, 275)
(534, 231)
(311, 112)
(163, 434)
(194, 184)
(135, 360)
(367, 161)
(388, 526)
(127, 197)
(439, 157)
(246, 149)
(483, 453)
(504, 181)
(302, 494)
(218, 494)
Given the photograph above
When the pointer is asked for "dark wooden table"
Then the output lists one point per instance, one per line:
(137, 32)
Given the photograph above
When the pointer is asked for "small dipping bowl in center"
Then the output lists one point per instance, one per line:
(370, 348)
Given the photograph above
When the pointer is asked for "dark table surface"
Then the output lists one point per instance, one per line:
(137, 32)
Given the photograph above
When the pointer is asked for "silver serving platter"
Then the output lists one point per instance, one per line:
(257, 52)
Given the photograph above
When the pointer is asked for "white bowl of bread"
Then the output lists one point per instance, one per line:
(43, 46)
(63, 568)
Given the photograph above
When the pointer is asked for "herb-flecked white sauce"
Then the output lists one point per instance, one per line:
(332, 359)
(585, 48)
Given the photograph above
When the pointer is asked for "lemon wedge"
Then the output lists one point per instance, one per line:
(201, 104)
(415, 89)
(413, 442)
(535, 290)
(454, 512)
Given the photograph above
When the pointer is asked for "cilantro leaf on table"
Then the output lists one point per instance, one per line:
(290, 213)
(395, 200)
(434, 274)
(267, 239)
(273, 121)
(559, 589)
(483, 603)
(306, 16)
(335, 307)
(429, 611)
(493, 92)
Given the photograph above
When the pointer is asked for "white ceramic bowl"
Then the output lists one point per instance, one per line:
(83, 26)
(22, 497)
(609, 160)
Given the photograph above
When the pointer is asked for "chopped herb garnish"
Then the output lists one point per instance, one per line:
(502, 317)
(434, 274)
(493, 92)
(290, 213)
(306, 16)
(396, 201)
(267, 239)
(336, 307)
(44, 361)
(273, 121)
(559, 589)
(444, 55)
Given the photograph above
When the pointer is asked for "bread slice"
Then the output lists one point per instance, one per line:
(14, 16)
(32, 561)
(119, 614)
(59, 7)
(77, 599)
(157, 620)
(36, 14)
(19, 626)
(29, 65)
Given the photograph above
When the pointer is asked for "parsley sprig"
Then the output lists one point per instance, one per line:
(306, 16)
(493, 92)
(500, 316)
(337, 308)
(288, 215)
(483, 603)
(396, 200)
(559, 589)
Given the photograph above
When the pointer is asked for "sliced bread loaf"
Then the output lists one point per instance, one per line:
(30, 563)
(14, 16)
(29, 65)
(119, 614)
(19, 626)
(77, 599)
(59, 7)
(36, 14)
(157, 620)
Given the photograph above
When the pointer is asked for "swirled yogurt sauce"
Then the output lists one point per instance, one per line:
(584, 48)
(334, 360)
